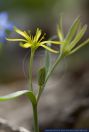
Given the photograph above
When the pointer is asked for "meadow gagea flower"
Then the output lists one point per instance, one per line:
(5, 25)
(34, 42)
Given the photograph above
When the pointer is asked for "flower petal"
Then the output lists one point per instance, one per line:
(51, 50)
(26, 45)
(38, 34)
(22, 33)
(52, 42)
(23, 40)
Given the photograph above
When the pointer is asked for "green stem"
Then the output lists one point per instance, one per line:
(30, 68)
(39, 93)
(48, 75)
(36, 126)
(53, 67)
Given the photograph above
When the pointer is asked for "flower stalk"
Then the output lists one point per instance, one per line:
(35, 116)
(30, 69)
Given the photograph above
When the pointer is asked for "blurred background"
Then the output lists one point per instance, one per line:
(65, 101)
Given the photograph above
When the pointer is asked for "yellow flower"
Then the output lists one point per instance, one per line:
(34, 42)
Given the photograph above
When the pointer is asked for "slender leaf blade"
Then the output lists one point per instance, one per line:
(47, 61)
(80, 46)
(72, 30)
(77, 38)
(13, 95)
(60, 29)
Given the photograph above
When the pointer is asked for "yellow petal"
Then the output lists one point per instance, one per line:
(22, 33)
(26, 45)
(23, 40)
(52, 42)
(42, 37)
(38, 34)
(28, 37)
(48, 48)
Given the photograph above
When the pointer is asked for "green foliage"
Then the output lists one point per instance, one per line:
(60, 29)
(47, 61)
(13, 95)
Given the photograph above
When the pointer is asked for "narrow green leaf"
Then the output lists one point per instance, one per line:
(47, 60)
(72, 30)
(60, 29)
(77, 38)
(13, 95)
(80, 46)
(41, 76)
(79, 28)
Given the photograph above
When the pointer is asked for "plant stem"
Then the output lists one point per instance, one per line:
(30, 68)
(53, 67)
(39, 94)
(49, 73)
(35, 114)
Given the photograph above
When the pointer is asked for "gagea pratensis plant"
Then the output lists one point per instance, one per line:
(69, 44)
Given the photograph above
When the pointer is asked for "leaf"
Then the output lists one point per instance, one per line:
(80, 46)
(60, 30)
(47, 61)
(72, 30)
(13, 95)
(77, 38)
(41, 76)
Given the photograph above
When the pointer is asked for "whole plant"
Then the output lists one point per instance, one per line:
(69, 44)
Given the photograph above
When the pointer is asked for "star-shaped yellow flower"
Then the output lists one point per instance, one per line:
(34, 42)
